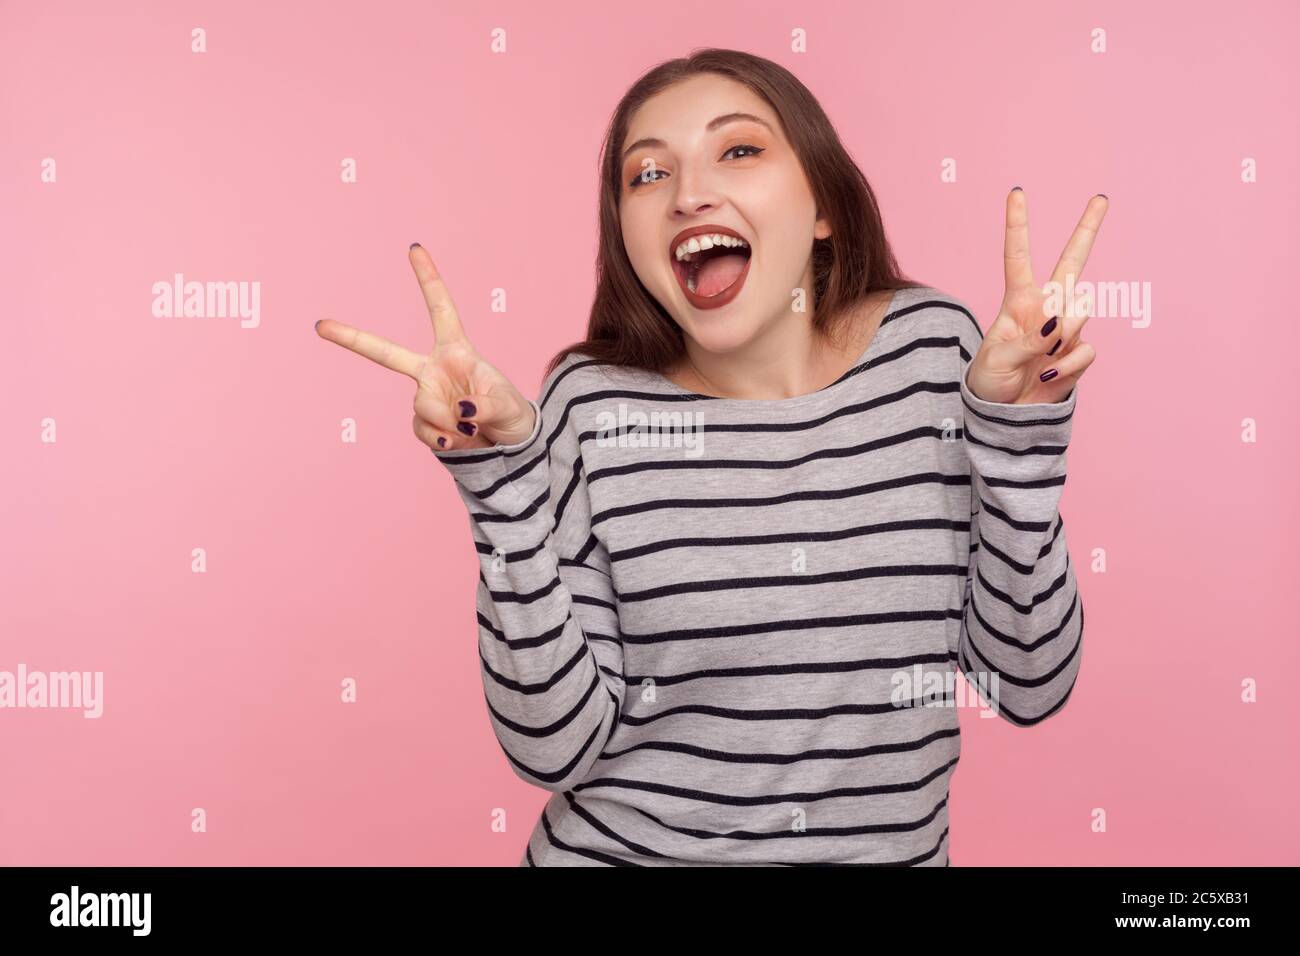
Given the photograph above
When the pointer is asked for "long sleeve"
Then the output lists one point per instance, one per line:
(549, 647)
(1022, 618)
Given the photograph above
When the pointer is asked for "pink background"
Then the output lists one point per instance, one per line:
(329, 560)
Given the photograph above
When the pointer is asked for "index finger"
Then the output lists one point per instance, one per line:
(446, 323)
(374, 347)
(1080, 245)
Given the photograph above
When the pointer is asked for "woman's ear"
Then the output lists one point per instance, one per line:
(821, 228)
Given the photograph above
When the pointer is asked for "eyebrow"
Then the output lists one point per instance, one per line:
(713, 124)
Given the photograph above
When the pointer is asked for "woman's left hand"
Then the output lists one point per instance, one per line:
(1031, 354)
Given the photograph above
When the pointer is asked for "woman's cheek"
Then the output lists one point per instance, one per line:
(648, 269)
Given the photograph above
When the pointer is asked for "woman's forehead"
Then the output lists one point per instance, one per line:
(688, 107)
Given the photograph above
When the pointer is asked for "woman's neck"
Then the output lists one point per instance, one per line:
(799, 362)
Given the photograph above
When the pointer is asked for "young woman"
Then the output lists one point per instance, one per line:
(733, 555)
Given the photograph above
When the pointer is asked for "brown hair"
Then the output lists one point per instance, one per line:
(628, 326)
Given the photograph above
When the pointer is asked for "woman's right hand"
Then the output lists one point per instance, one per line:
(461, 401)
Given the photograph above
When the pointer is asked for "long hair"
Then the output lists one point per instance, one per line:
(628, 326)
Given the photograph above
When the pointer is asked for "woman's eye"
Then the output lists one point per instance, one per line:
(645, 174)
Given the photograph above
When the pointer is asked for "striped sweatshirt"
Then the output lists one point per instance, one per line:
(728, 631)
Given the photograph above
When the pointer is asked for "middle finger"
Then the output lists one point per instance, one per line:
(374, 347)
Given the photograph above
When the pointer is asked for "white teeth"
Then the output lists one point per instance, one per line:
(700, 243)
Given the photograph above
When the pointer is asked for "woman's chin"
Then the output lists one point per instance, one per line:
(719, 338)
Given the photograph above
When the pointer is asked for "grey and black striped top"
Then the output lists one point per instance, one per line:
(727, 631)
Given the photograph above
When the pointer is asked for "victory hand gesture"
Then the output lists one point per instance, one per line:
(1032, 354)
(461, 401)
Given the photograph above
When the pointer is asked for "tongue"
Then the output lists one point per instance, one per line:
(718, 272)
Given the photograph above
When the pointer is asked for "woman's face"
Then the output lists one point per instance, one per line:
(706, 166)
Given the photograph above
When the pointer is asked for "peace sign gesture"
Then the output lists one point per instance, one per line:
(461, 401)
(1030, 354)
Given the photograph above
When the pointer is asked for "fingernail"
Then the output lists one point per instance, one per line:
(465, 428)
(413, 245)
(1104, 196)
(317, 325)
(1047, 329)
(1056, 346)
(442, 441)
(1015, 188)
(1050, 373)
(467, 409)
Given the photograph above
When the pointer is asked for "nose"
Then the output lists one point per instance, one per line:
(690, 208)
(694, 195)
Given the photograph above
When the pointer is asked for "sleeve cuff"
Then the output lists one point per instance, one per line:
(1012, 423)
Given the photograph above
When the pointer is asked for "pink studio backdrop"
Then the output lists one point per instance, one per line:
(329, 560)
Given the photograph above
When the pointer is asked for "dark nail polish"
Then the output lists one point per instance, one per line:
(1047, 328)
(413, 245)
(1050, 373)
(465, 428)
(442, 441)
(1056, 346)
(467, 409)
(1016, 189)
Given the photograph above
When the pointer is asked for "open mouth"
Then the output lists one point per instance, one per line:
(712, 268)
